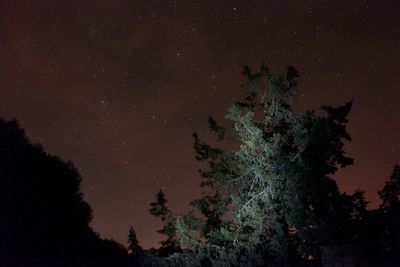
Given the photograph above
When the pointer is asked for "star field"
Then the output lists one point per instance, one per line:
(118, 87)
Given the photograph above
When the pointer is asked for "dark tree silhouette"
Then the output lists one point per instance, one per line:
(44, 218)
(389, 212)
(133, 243)
(377, 236)
(159, 209)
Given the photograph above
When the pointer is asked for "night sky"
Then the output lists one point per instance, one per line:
(118, 87)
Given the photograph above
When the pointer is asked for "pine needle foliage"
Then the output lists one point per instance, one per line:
(270, 202)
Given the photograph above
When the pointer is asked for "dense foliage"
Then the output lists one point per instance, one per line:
(273, 200)
(43, 217)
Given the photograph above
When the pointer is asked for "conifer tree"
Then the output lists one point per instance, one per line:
(273, 199)
(377, 239)
(133, 243)
(390, 194)
(390, 210)
(159, 209)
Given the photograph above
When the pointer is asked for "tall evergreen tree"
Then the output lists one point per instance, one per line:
(273, 199)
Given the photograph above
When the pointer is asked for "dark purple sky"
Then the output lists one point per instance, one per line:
(118, 87)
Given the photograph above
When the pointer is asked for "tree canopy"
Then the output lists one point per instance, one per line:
(273, 200)
(44, 217)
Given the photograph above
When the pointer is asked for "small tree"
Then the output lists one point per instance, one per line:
(390, 194)
(273, 200)
(133, 244)
(390, 209)
(377, 239)
(159, 209)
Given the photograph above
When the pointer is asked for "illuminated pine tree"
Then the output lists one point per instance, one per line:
(271, 200)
